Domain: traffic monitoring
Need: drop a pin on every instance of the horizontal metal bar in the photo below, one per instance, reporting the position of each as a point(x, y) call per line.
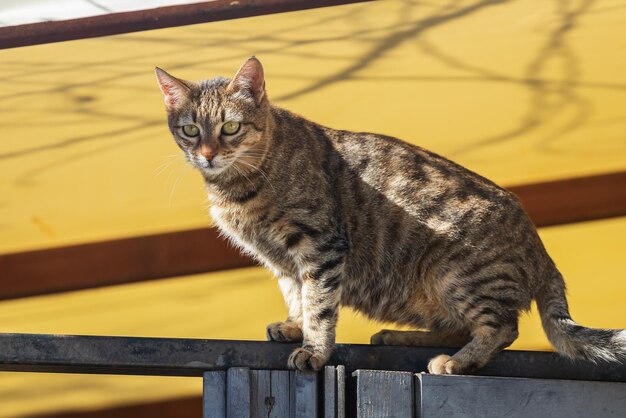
point(114, 262)
point(192, 357)
point(575, 199)
point(158, 18)
point(186, 407)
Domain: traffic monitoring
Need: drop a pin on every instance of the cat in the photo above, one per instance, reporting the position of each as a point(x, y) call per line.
point(392, 230)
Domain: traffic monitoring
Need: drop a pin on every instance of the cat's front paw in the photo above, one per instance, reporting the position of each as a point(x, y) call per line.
point(444, 364)
point(306, 360)
point(284, 332)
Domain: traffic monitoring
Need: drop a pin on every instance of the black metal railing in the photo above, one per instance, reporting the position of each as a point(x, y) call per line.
point(192, 357)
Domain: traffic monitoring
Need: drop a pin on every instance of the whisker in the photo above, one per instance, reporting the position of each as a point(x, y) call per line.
point(260, 171)
point(242, 173)
point(172, 192)
point(161, 168)
point(166, 164)
point(262, 157)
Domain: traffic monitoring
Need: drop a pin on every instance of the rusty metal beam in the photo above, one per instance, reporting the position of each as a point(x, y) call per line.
point(158, 18)
point(202, 250)
point(191, 357)
point(575, 199)
point(187, 407)
point(118, 261)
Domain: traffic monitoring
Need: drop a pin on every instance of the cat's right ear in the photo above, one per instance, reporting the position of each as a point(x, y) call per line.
point(175, 91)
point(249, 80)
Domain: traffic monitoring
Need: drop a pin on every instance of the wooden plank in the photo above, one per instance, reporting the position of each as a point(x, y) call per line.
point(238, 392)
point(161, 17)
point(261, 400)
point(292, 394)
point(384, 394)
point(280, 393)
point(341, 391)
point(529, 395)
point(202, 250)
point(334, 392)
point(330, 392)
point(214, 395)
point(495, 397)
point(304, 395)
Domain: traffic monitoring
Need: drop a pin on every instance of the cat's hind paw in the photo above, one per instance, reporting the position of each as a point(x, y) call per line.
point(284, 332)
point(305, 360)
point(383, 337)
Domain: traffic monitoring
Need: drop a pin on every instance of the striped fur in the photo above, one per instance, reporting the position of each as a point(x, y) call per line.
point(363, 220)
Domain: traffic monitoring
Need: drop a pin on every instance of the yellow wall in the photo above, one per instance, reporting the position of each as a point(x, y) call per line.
point(500, 87)
point(520, 91)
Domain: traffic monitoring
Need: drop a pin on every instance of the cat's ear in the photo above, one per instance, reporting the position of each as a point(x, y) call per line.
point(249, 80)
point(175, 91)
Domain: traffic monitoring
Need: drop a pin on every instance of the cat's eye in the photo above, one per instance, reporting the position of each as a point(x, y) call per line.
point(230, 128)
point(191, 130)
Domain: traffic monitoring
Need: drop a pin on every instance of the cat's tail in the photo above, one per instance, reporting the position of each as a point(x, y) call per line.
point(571, 339)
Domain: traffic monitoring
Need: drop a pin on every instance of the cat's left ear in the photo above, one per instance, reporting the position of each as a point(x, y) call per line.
point(175, 91)
point(250, 80)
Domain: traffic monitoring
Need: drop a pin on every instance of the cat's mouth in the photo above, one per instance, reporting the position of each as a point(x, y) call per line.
point(209, 167)
point(207, 164)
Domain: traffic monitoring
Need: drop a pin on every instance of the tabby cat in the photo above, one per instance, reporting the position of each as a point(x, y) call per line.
point(364, 220)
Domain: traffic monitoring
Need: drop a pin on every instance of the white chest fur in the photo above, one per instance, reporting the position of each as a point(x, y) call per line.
point(258, 239)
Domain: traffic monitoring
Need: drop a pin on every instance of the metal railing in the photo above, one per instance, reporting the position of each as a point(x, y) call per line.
point(147, 19)
point(248, 368)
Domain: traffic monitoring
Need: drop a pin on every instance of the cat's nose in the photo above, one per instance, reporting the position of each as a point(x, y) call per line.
point(208, 151)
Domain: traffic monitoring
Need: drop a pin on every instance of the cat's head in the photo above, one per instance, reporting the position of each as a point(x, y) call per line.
point(218, 123)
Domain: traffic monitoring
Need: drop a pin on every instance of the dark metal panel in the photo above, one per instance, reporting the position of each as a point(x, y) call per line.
point(508, 363)
point(238, 392)
point(214, 395)
point(383, 394)
point(162, 17)
point(495, 397)
point(304, 389)
point(192, 357)
point(280, 393)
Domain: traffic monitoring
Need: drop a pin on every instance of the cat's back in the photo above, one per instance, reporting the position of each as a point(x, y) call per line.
point(420, 181)
point(383, 182)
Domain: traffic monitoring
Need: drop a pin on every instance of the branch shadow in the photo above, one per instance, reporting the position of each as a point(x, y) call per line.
point(550, 98)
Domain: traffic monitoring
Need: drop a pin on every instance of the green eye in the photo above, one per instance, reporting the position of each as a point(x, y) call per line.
point(230, 128)
point(191, 130)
